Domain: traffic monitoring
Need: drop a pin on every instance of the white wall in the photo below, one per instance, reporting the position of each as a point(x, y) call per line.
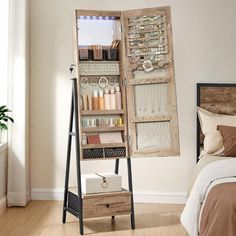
point(204, 47)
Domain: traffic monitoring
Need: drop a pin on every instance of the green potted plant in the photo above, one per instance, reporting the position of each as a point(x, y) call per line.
point(4, 118)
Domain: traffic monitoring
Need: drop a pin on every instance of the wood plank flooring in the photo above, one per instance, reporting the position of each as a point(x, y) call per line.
point(43, 218)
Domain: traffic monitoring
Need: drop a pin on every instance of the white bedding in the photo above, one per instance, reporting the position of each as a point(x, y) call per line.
point(222, 170)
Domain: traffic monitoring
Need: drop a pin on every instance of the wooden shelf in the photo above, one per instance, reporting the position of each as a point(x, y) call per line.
point(161, 80)
point(103, 145)
point(103, 112)
point(103, 158)
point(160, 118)
point(108, 194)
point(97, 62)
point(103, 129)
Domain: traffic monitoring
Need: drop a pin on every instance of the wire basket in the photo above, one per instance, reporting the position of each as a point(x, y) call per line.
point(115, 152)
point(93, 153)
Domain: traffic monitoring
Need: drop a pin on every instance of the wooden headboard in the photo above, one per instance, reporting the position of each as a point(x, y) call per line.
point(216, 98)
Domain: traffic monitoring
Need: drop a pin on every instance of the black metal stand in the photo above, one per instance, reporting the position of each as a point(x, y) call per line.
point(71, 201)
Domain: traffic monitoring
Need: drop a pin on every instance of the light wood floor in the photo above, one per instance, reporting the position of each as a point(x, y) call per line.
point(43, 218)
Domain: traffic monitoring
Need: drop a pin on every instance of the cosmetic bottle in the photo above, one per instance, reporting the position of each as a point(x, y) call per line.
point(89, 102)
point(118, 98)
point(106, 99)
point(85, 103)
point(120, 122)
point(101, 101)
point(95, 100)
point(112, 99)
point(84, 139)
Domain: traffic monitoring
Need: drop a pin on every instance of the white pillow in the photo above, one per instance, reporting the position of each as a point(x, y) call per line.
point(213, 143)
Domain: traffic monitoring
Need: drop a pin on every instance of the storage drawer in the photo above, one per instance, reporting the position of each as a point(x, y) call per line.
point(107, 205)
point(101, 204)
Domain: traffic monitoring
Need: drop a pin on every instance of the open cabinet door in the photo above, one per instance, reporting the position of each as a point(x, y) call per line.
point(151, 96)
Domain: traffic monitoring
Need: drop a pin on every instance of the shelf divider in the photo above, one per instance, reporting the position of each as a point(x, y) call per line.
point(102, 112)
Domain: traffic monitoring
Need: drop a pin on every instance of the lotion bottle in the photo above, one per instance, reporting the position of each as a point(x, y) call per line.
point(118, 98)
point(107, 99)
point(112, 99)
point(85, 102)
point(89, 102)
point(101, 101)
point(95, 100)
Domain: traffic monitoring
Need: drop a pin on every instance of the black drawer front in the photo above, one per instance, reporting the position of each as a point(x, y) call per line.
point(73, 201)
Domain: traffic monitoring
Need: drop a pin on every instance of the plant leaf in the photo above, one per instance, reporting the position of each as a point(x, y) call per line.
point(5, 110)
point(3, 126)
point(10, 118)
point(2, 107)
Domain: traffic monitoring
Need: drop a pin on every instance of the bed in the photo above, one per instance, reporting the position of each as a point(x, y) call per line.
point(211, 206)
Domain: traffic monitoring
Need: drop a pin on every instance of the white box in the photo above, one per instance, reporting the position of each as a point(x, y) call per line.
point(101, 183)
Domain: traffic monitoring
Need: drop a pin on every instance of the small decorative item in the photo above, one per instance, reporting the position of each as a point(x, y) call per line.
point(4, 118)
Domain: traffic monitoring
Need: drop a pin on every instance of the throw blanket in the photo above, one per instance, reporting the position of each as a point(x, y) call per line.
point(218, 213)
point(213, 171)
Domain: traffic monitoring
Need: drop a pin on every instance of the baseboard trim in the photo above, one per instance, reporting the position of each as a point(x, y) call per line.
point(160, 197)
point(139, 197)
point(3, 205)
point(47, 194)
point(3, 147)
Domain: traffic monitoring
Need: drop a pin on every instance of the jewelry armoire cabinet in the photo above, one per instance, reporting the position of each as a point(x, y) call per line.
point(131, 50)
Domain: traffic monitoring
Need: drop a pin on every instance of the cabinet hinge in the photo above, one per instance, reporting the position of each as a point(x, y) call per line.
point(125, 82)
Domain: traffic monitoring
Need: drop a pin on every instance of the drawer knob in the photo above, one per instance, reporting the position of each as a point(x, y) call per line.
point(107, 205)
